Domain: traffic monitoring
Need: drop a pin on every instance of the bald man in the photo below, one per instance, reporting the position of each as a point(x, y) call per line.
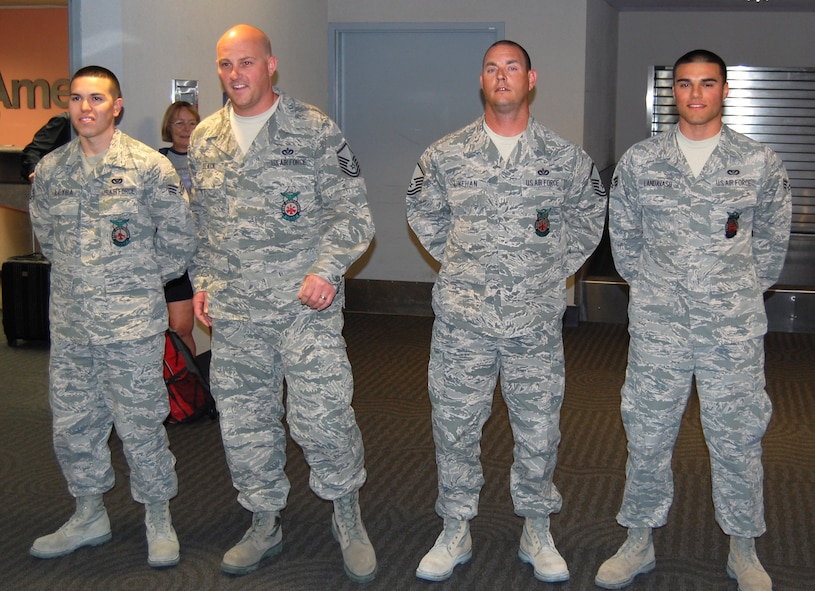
point(281, 212)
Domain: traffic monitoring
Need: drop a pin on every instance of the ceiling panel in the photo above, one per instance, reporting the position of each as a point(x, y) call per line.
point(714, 5)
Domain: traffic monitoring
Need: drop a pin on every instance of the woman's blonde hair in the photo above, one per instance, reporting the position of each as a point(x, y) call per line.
point(171, 113)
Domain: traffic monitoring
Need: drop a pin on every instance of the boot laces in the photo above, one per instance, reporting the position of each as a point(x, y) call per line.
point(84, 510)
point(636, 543)
point(347, 518)
point(453, 532)
point(158, 522)
point(539, 532)
point(261, 530)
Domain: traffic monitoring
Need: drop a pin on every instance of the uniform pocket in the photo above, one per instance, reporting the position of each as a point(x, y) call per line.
point(120, 222)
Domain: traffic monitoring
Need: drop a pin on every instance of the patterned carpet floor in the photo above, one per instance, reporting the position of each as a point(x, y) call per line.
point(389, 355)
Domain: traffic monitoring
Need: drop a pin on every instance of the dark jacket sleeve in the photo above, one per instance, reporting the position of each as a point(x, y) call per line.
point(50, 136)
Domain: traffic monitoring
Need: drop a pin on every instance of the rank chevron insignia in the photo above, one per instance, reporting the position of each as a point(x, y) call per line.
point(348, 162)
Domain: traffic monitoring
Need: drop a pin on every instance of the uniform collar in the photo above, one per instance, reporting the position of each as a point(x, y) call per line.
point(479, 141)
point(116, 156)
point(725, 155)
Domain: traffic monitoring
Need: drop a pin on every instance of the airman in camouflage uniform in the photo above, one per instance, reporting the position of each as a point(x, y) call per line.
point(280, 220)
point(508, 229)
point(110, 215)
point(698, 248)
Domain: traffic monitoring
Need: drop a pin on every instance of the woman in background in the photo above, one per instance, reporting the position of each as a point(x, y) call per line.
point(179, 121)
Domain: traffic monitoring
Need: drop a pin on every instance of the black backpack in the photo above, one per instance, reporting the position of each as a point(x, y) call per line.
point(187, 386)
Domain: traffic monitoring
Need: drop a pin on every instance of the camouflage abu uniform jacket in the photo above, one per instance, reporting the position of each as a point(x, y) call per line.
point(507, 233)
point(698, 253)
point(294, 205)
point(113, 240)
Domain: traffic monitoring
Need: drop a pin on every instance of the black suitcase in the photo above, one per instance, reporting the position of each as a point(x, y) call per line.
point(26, 284)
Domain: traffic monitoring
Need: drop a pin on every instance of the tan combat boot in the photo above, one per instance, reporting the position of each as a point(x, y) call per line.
point(358, 554)
point(162, 542)
point(263, 540)
point(743, 565)
point(635, 556)
point(454, 546)
point(538, 549)
point(88, 526)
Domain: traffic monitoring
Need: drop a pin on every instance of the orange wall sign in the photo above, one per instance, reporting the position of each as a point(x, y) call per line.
point(33, 70)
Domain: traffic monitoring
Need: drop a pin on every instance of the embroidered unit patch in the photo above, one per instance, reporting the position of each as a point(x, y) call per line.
point(542, 223)
point(120, 233)
point(290, 208)
point(731, 227)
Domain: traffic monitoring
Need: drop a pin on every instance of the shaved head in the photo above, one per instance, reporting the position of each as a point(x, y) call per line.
point(248, 33)
point(246, 66)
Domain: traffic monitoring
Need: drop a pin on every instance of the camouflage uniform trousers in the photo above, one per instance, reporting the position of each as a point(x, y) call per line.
point(735, 412)
point(463, 371)
point(96, 387)
point(249, 363)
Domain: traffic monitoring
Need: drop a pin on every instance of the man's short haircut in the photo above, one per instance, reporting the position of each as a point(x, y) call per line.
point(702, 56)
point(100, 72)
point(267, 45)
point(171, 113)
point(511, 44)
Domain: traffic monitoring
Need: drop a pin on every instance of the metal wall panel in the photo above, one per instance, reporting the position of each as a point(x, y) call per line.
point(775, 106)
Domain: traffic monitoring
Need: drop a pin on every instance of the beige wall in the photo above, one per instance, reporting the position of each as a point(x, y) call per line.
point(553, 32)
point(601, 82)
point(659, 38)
